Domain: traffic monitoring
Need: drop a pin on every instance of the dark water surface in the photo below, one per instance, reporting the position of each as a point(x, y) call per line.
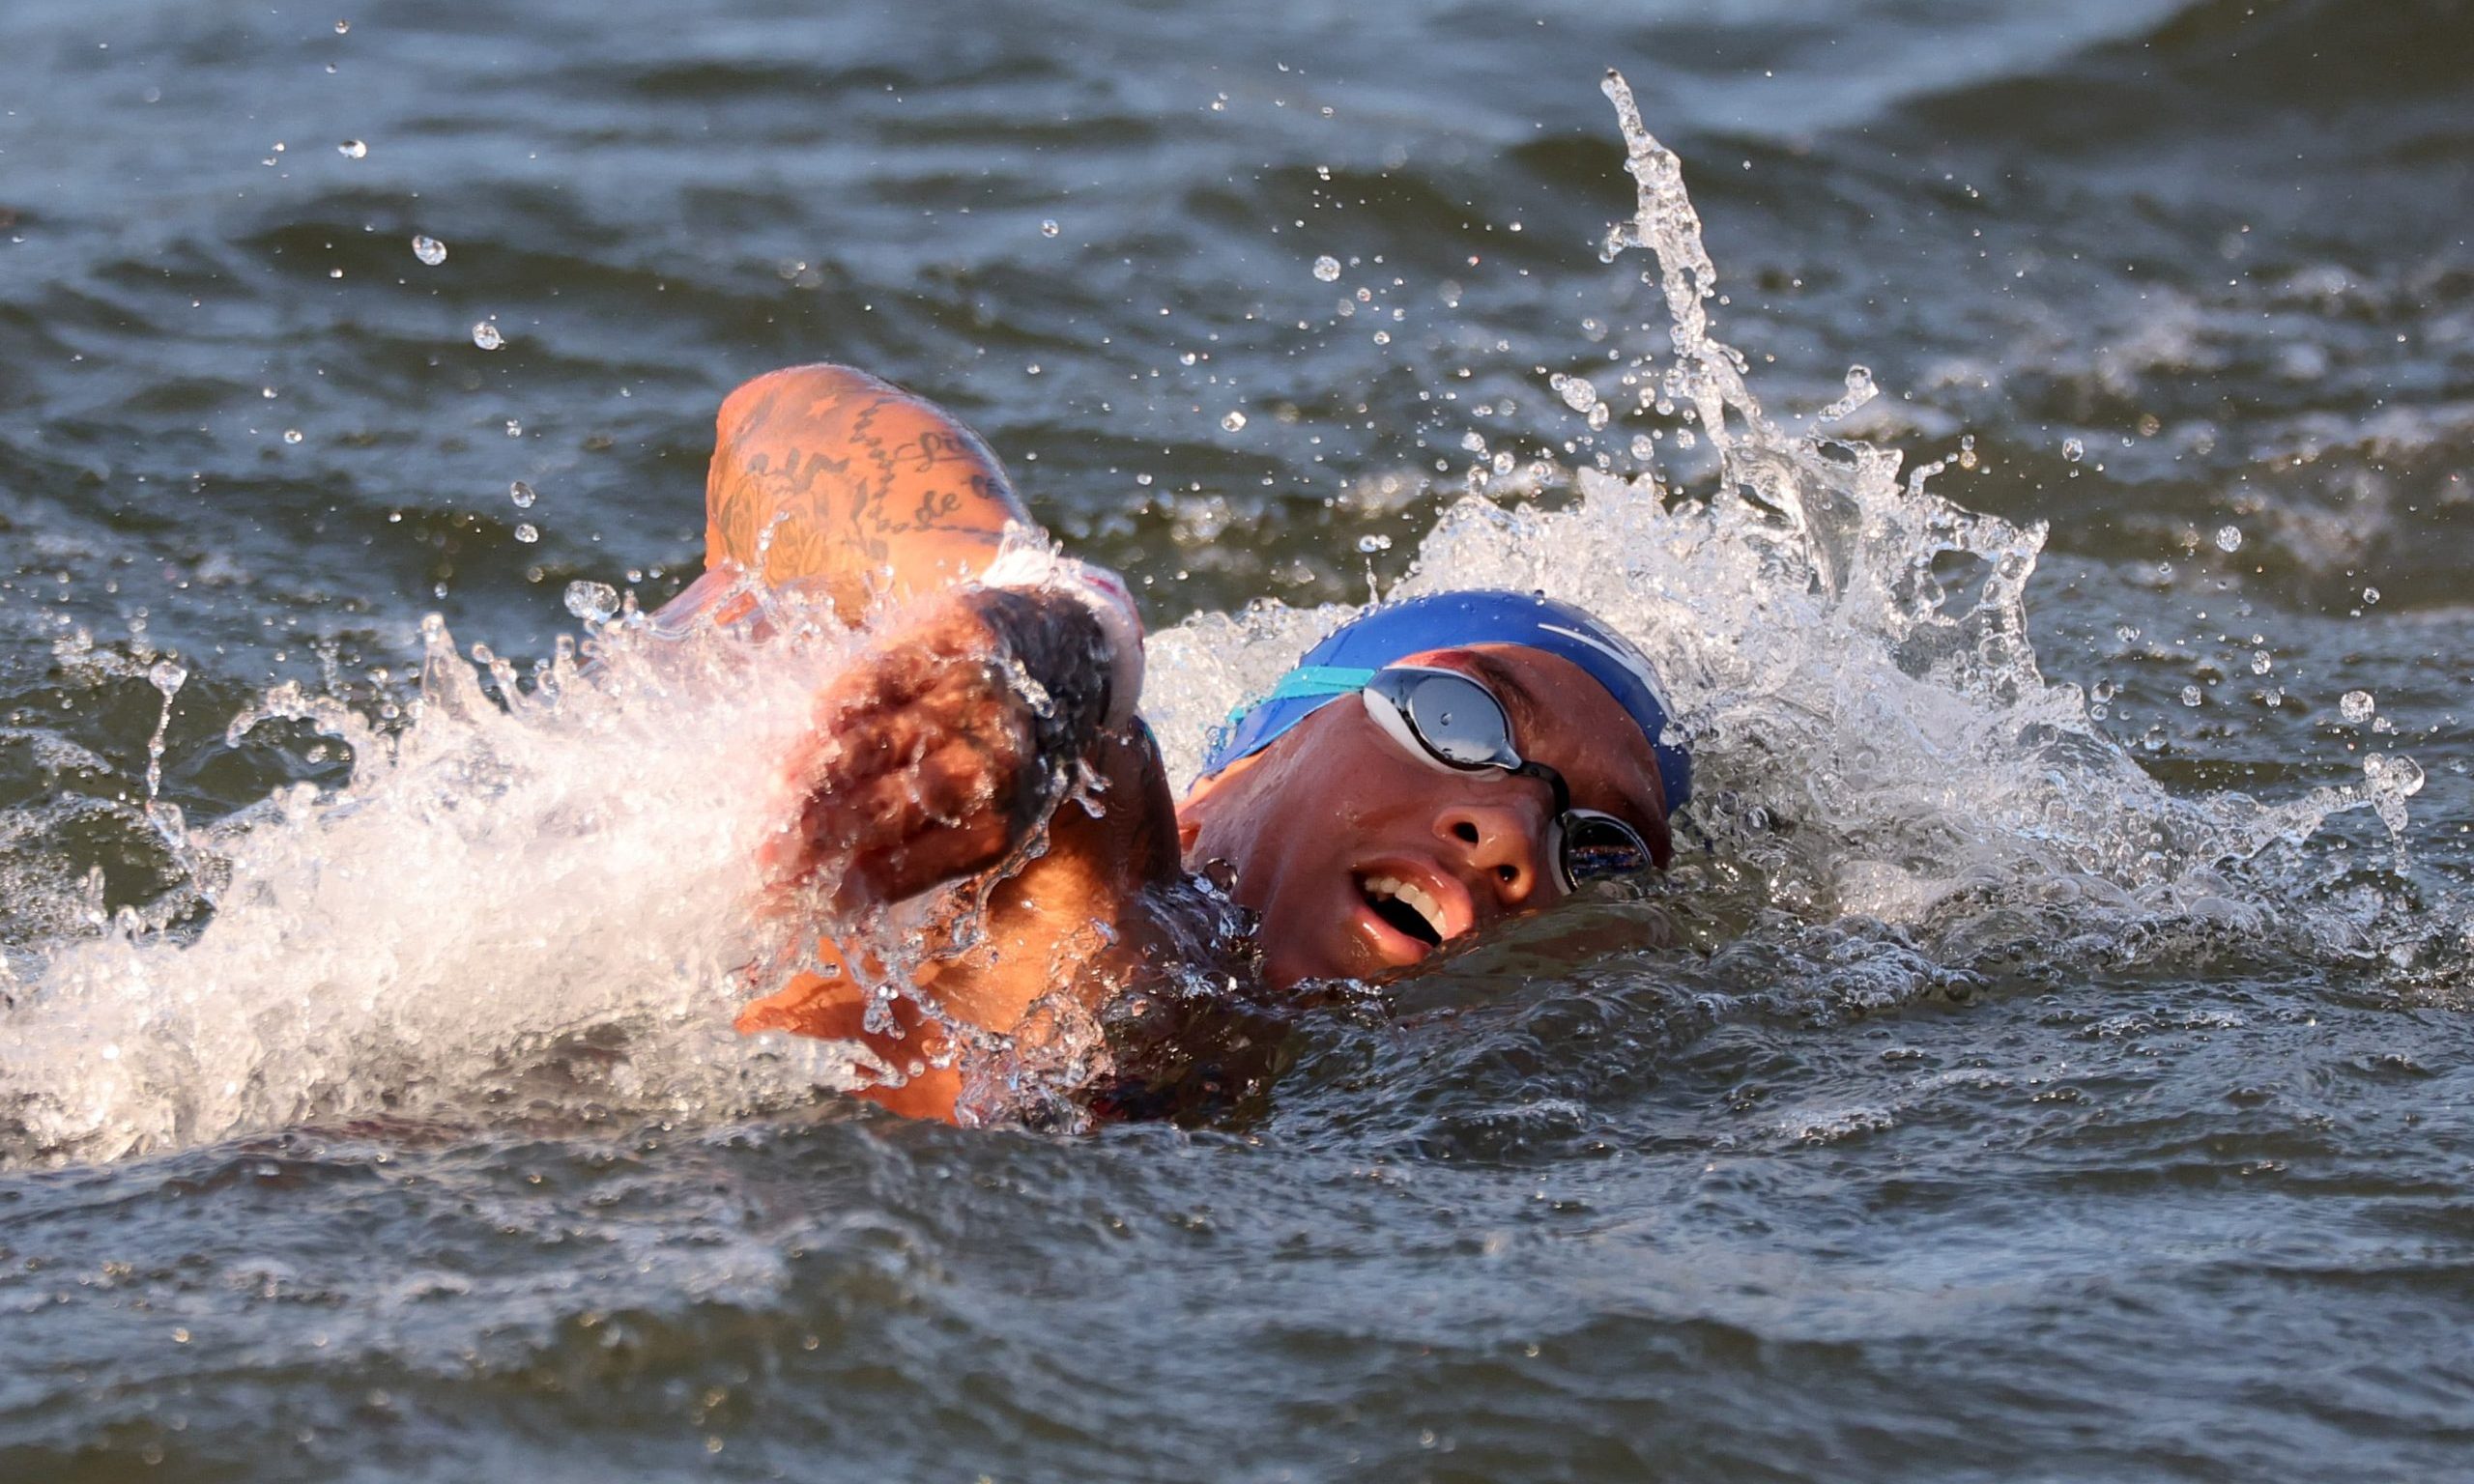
point(2153, 1182)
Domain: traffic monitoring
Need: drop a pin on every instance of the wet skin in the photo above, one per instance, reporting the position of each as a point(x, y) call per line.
point(1475, 844)
point(926, 766)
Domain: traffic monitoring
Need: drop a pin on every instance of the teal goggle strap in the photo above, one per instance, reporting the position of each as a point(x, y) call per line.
point(1307, 682)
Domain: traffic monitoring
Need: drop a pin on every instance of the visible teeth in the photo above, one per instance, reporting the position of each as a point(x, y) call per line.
point(1419, 899)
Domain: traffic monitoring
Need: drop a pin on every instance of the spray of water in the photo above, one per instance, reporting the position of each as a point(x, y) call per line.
point(1848, 651)
point(540, 894)
point(536, 896)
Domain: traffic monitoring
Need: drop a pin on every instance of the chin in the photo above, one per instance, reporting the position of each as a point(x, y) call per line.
point(1293, 956)
point(1286, 969)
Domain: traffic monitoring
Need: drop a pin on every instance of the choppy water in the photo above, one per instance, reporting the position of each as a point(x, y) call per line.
point(2055, 1067)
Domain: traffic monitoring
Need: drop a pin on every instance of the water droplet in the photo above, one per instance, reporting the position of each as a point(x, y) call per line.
point(2370, 595)
point(1234, 421)
point(2228, 538)
point(1048, 227)
point(514, 428)
point(2103, 692)
point(1370, 545)
point(1143, 479)
point(2191, 696)
point(1859, 391)
point(521, 494)
point(2357, 706)
point(2261, 663)
point(343, 27)
point(486, 336)
point(1578, 392)
point(429, 250)
point(2073, 450)
point(351, 149)
point(1643, 448)
point(1967, 450)
point(526, 534)
point(292, 435)
point(1383, 337)
point(2394, 774)
point(1327, 267)
point(592, 602)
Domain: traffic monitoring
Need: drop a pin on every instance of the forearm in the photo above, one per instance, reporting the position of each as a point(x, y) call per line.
point(932, 756)
point(1096, 915)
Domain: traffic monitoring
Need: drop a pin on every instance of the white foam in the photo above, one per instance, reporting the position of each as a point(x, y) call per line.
point(1830, 670)
point(494, 885)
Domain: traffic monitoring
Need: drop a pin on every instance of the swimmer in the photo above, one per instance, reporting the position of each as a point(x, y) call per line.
point(1431, 769)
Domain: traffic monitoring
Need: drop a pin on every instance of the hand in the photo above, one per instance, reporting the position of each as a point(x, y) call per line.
point(933, 754)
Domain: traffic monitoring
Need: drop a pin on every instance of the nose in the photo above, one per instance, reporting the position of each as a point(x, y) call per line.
point(1500, 846)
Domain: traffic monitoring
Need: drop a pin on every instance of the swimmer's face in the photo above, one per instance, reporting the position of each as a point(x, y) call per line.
point(1363, 859)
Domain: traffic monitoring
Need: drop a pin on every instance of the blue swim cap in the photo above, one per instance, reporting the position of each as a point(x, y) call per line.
point(1344, 662)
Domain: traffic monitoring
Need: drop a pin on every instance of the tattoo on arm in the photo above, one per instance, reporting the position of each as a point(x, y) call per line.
point(822, 481)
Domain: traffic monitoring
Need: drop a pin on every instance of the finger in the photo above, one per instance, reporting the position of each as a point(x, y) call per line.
point(959, 812)
point(961, 784)
point(926, 860)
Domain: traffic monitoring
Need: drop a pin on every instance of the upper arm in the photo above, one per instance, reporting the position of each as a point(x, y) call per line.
point(826, 475)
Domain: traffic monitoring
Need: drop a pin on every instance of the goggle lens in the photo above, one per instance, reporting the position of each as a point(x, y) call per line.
point(1600, 847)
point(1458, 719)
point(1459, 723)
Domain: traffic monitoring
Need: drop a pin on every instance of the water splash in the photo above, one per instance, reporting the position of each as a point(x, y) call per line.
point(1849, 655)
point(526, 893)
point(166, 676)
point(536, 895)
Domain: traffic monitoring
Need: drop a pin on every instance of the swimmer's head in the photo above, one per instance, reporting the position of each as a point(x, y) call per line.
point(1373, 811)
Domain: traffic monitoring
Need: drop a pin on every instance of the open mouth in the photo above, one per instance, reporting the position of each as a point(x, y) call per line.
point(1407, 908)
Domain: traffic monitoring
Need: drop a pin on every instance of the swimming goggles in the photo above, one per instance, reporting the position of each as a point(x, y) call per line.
point(1455, 723)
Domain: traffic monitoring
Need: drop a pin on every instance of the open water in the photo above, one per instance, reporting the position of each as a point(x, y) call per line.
point(2053, 1065)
